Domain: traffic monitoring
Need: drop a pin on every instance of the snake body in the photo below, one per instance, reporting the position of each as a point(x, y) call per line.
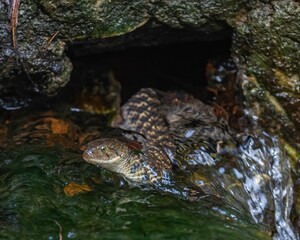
point(159, 123)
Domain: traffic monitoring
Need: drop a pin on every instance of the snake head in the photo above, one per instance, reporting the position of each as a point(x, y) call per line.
point(108, 153)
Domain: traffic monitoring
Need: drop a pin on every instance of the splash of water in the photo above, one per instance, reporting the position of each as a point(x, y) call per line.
point(253, 177)
point(268, 183)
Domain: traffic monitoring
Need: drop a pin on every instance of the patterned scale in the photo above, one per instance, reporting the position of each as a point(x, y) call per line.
point(142, 114)
point(175, 122)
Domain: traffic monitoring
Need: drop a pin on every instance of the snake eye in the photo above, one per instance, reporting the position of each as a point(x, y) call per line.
point(103, 148)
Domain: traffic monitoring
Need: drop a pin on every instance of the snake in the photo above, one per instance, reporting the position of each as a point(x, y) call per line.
point(157, 126)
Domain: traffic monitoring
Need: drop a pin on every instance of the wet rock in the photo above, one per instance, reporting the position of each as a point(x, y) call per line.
point(44, 27)
point(267, 49)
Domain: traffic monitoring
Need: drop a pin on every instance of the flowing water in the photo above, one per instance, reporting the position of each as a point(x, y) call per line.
point(254, 178)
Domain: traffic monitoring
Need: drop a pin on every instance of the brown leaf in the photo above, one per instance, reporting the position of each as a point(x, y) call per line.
point(74, 188)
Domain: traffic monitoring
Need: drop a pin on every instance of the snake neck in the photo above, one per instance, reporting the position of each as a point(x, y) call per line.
point(132, 167)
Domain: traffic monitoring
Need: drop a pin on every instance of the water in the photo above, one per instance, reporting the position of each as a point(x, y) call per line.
point(264, 173)
point(253, 176)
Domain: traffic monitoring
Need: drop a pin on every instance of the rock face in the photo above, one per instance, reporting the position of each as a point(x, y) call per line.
point(44, 28)
point(265, 42)
point(266, 46)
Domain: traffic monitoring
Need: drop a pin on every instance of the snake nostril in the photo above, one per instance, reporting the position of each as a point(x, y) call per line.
point(88, 153)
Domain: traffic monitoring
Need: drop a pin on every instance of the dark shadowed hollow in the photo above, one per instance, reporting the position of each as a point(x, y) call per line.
point(166, 67)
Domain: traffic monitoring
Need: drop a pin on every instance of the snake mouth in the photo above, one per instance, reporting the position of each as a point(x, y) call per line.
point(90, 155)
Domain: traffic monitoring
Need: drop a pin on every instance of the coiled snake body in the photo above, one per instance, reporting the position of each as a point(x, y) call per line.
point(159, 124)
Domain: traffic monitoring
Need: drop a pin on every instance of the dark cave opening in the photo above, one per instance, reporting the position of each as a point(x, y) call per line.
point(171, 66)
